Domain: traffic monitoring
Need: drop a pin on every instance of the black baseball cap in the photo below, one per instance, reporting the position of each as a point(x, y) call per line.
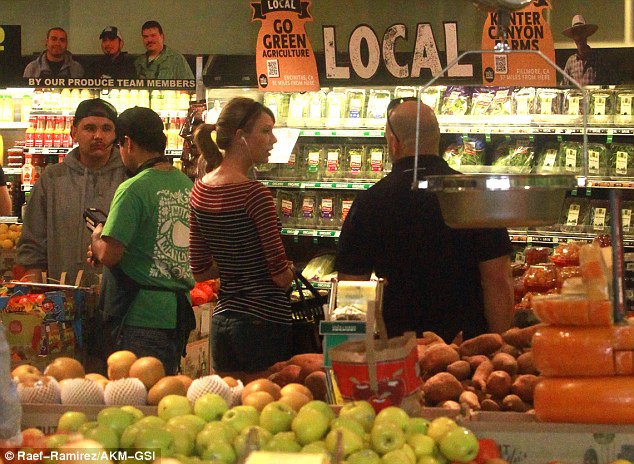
point(110, 32)
point(95, 107)
point(139, 123)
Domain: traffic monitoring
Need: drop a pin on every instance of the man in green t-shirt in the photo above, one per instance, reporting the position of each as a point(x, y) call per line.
point(144, 245)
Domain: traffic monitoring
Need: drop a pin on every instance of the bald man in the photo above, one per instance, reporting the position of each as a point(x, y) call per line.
point(439, 279)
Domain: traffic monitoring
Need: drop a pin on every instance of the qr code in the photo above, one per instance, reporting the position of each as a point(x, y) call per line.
point(501, 64)
point(273, 68)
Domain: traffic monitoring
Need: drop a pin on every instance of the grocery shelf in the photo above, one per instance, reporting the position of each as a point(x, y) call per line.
point(46, 150)
point(298, 232)
point(343, 185)
point(14, 125)
point(325, 132)
point(552, 237)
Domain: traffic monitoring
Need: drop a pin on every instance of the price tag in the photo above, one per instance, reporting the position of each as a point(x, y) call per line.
point(593, 161)
point(571, 159)
point(599, 106)
point(626, 105)
point(599, 218)
point(573, 215)
point(626, 217)
point(621, 163)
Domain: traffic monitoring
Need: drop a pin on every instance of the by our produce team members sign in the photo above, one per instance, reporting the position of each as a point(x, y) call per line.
point(284, 57)
point(528, 30)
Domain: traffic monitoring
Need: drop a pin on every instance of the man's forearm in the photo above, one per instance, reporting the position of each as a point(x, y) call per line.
point(497, 292)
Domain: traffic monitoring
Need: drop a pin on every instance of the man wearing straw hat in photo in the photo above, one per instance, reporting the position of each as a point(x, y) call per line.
point(585, 66)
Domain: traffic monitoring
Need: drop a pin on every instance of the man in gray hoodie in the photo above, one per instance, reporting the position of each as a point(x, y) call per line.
point(56, 60)
point(54, 235)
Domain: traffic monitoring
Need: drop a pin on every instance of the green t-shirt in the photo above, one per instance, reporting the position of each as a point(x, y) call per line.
point(149, 215)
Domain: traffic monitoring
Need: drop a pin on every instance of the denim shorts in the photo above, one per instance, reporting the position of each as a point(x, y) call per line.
point(160, 343)
point(240, 342)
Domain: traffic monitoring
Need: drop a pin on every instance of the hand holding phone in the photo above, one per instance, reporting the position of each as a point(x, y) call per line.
point(94, 217)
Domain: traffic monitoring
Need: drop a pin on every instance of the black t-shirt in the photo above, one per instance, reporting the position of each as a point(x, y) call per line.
point(433, 280)
point(55, 66)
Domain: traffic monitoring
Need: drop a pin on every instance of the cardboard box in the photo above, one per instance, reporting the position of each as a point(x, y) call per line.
point(46, 416)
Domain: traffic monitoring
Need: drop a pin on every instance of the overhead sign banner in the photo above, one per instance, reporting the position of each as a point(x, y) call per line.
point(10, 53)
point(528, 30)
point(285, 61)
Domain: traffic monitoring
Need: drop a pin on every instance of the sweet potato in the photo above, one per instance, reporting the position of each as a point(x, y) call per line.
point(475, 361)
point(482, 344)
point(316, 383)
point(514, 403)
point(524, 386)
point(436, 358)
point(441, 387)
point(290, 374)
point(499, 384)
point(520, 338)
point(482, 373)
point(526, 364)
point(278, 366)
point(460, 369)
point(510, 349)
point(504, 362)
point(309, 362)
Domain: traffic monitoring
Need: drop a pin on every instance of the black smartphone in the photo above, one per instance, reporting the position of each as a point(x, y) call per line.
point(94, 217)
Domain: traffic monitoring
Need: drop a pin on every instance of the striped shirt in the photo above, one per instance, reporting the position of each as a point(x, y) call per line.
point(236, 225)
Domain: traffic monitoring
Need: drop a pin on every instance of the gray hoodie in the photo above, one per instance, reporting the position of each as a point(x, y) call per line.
point(54, 234)
point(39, 67)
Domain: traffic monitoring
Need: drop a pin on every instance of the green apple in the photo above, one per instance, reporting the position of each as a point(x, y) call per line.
point(439, 426)
point(351, 424)
point(83, 428)
point(310, 425)
point(136, 412)
point(315, 447)
point(386, 436)
point(70, 421)
point(220, 450)
point(459, 444)
point(210, 407)
point(409, 451)
point(151, 422)
point(364, 456)
point(222, 429)
point(189, 424)
point(350, 441)
point(173, 405)
point(155, 438)
point(322, 407)
point(394, 415)
point(183, 443)
point(105, 435)
point(56, 440)
point(129, 435)
point(277, 417)
point(115, 418)
point(428, 460)
point(423, 445)
point(259, 437)
point(397, 456)
point(283, 442)
point(417, 425)
point(360, 411)
point(241, 417)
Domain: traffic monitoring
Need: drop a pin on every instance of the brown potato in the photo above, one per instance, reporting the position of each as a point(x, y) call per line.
point(441, 387)
point(482, 344)
point(499, 384)
point(469, 400)
point(524, 386)
point(504, 362)
point(436, 358)
point(526, 364)
point(460, 369)
point(490, 405)
point(514, 403)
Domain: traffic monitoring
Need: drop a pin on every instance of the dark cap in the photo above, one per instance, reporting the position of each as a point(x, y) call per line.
point(110, 32)
point(95, 107)
point(139, 123)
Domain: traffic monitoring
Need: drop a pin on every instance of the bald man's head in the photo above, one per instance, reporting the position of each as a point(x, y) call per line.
point(401, 132)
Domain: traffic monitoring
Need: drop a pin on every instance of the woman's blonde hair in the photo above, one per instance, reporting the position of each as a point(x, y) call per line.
point(238, 113)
